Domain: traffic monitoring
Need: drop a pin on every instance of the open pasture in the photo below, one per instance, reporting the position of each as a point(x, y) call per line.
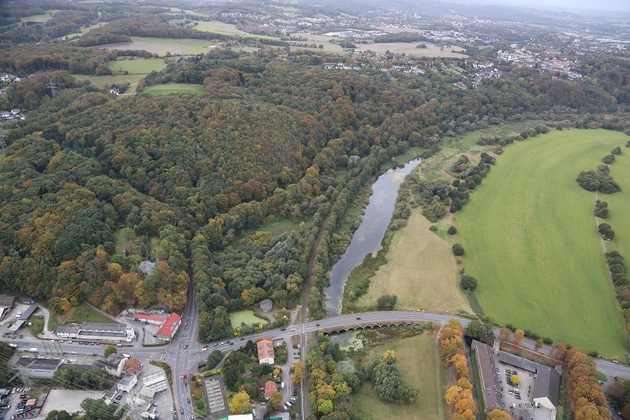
point(140, 66)
point(531, 240)
point(419, 367)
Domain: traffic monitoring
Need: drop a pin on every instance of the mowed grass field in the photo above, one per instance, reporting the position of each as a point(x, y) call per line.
point(168, 88)
point(420, 261)
point(531, 240)
point(144, 66)
point(418, 365)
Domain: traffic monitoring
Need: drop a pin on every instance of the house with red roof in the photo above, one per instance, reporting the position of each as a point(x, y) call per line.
point(133, 366)
point(266, 354)
point(169, 327)
point(270, 389)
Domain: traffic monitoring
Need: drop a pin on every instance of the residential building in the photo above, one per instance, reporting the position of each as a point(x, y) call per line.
point(133, 366)
point(169, 327)
point(126, 383)
point(114, 364)
point(265, 352)
point(270, 388)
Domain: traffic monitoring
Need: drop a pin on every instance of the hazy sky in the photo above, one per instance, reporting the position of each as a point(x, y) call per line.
point(620, 5)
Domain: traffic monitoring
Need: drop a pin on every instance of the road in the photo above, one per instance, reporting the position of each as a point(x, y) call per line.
point(184, 353)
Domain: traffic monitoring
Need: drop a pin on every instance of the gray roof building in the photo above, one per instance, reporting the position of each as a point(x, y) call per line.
point(28, 312)
point(6, 300)
point(547, 383)
point(488, 376)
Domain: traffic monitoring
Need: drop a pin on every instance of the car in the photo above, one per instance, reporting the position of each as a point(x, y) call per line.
point(215, 344)
point(186, 346)
point(295, 392)
point(181, 410)
point(292, 399)
point(358, 318)
point(293, 329)
point(242, 338)
point(189, 400)
point(283, 329)
point(222, 342)
point(204, 348)
point(317, 325)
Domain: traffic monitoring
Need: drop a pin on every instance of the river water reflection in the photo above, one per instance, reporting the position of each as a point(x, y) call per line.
point(367, 238)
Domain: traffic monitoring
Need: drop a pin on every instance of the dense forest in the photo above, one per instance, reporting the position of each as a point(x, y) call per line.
point(93, 184)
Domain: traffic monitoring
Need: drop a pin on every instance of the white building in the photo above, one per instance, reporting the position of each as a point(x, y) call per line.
point(96, 331)
point(127, 383)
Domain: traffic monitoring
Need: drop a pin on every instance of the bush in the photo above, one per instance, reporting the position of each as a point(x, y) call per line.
point(608, 159)
point(468, 283)
point(616, 151)
point(597, 181)
point(628, 143)
point(387, 302)
point(458, 250)
point(452, 230)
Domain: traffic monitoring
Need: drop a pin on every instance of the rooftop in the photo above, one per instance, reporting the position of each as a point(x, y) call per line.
point(487, 373)
point(170, 325)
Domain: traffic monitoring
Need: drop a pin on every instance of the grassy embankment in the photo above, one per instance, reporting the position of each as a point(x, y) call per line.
point(531, 240)
point(422, 262)
point(79, 313)
point(419, 367)
point(246, 316)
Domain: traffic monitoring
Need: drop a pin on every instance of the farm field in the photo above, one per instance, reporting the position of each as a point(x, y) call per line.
point(531, 241)
point(421, 261)
point(427, 375)
point(39, 18)
point(219, 28)
point(175, 46)
point(143, 67)
point(168, 88)
point(245, 316)
point(409, 48)
point(107, 81)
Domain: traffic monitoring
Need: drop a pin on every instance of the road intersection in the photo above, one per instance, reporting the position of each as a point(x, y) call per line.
point(184, 353)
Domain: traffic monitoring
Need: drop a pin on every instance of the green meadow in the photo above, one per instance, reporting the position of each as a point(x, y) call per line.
point(107, 81)
point(168, 88)
point(531, 240)
point(137, 66)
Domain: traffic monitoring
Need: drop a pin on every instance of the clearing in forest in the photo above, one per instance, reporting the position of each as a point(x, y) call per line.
point(168, 88)
point(531, 240)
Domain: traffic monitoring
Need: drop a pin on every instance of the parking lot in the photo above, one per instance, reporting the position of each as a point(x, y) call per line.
point(515, 394)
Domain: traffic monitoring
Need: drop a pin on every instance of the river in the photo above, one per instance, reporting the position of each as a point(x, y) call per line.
point(367, 238)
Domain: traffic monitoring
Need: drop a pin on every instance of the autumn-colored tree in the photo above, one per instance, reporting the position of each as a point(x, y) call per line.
point(515, 379)
point(275, 402)
point(299, 372)
point(518, 336)
point(504, 334)
point(559, 350)
point(588, 400)
point(497, 414)
point(239, 403)
point(539, 343)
